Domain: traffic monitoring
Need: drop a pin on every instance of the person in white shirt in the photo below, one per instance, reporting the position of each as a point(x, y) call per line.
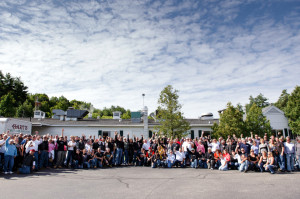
point(146, 145)
point(289, 149)
point(71, 145)
point(214, 145)
point(180, 158)
point(170, 159)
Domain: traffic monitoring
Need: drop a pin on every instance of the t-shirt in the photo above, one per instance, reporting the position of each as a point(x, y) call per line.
point(289, 148)
point(71, 145)
point(99, 155)
point(61, 145)
point(279, 146)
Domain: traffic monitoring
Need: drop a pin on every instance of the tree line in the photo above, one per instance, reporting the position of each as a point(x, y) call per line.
point(232, 119)
point(15, 101)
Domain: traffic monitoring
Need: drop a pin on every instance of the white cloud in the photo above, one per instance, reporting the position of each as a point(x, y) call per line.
point(111, 52)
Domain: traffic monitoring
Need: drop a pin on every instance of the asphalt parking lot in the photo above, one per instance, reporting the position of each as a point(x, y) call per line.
point(144, 182)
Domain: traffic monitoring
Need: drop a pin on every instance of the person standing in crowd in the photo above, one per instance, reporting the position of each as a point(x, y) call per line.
point(120, 147)
point(28, 163)
point(44, 147)
point(9, 155)
point(70, 152)
point(290, 154)
point(279, 154)
point(61, 144)
point(255, 148)
point(180, 158)
point(263, 146)
point(297, 148)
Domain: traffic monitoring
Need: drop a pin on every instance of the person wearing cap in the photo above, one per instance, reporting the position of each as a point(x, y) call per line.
point(9, 155)
point(28, 163)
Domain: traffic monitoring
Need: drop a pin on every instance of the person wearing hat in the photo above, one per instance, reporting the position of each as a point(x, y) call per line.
point(9, 155)
point(28, 163)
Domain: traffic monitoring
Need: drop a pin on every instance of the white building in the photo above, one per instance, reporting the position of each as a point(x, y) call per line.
point(278, 121)
point(107, 127)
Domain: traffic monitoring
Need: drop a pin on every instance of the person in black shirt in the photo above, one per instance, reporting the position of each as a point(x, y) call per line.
point(28, 163)
point(88, 159)
point(61, 144)
point(120, 149)
point(99, 158)
point(233, 163)
point(194, 158)
point(108, 157)
point(210, 160)
point(77, 160)
point(43, 147)
point(155, 162)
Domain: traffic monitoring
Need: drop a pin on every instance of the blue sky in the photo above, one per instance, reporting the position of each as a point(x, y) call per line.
point(110, 52)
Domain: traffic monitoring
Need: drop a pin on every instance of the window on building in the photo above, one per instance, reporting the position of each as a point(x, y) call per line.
point(192, 134)
point(150, 134)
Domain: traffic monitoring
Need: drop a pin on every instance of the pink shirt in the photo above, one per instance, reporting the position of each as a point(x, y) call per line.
point(200, 147)
point(51, 147)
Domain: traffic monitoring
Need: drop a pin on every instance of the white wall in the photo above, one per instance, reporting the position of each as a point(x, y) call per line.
point(277, 121)
point(93, 130)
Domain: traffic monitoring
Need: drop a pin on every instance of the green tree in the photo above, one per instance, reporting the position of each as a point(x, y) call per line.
point(231, 122)
point(14, 86)
point(172, 123)
point(292, 110)
point(256, 122)
point(260, 100)
point(126, 115)
point(63, 104)
point(7, 108)
point(25, 110)
point(283, 99)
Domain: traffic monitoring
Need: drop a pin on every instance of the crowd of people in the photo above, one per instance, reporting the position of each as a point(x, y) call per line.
point(29, 153)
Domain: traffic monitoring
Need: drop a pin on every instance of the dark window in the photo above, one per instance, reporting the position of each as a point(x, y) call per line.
point(192, 134)
point(150, 134)
point(199, 133)
point(121, 133)
point(99, 133)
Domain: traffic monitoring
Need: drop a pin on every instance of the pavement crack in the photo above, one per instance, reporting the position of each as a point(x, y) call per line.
point(121, 181)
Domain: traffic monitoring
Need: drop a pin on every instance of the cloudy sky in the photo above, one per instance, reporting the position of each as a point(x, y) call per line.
point(110, 52)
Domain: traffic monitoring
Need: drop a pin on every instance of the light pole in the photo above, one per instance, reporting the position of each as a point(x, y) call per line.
point(143, 98)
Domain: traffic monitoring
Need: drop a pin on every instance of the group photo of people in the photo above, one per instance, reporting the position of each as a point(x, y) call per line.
point(25, 154)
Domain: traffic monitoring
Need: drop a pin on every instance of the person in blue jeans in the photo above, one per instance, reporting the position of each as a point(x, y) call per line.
point(155, 160)
point(28, 163)
point(270, 163)
point(170, 159)
point(99, 158)
point(290, 154)
point(9, 155)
